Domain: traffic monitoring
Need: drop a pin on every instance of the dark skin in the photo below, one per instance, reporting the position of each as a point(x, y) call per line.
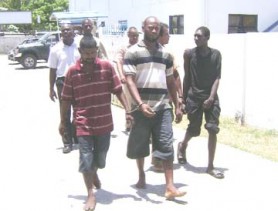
point(202, 44)
point(151, 28)
point(91, 180)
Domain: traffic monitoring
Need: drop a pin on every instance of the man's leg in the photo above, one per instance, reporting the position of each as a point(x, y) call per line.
point(91, 200)
point(67, 137)
point(142, 180)
point(171, 191)
point(212, 139)
point(181, 151)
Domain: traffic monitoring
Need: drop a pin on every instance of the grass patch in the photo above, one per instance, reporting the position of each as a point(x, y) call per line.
point(260, 142)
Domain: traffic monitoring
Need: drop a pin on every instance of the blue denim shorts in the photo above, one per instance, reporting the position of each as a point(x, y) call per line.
point(159, 127)
point(92, 152)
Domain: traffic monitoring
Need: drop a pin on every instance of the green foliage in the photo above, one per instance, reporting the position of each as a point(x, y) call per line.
point(41, 8)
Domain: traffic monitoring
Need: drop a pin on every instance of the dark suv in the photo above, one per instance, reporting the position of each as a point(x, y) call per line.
point(28, 54)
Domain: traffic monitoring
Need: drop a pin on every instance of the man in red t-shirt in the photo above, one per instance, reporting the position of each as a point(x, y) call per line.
point(88, 86)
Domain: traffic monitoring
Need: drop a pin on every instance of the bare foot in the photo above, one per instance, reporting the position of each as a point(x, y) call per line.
point(141, 184)
point(90, 203)
point(171, 193)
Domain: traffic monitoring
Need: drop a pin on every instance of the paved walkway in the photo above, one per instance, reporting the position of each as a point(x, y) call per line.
point(35, 175)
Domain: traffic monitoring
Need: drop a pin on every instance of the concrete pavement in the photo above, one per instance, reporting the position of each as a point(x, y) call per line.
point(35, 175)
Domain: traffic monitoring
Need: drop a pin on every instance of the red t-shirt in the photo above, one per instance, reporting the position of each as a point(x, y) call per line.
point(90, 94)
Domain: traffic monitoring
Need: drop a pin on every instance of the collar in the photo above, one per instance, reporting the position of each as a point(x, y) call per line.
point(79, 64)
point(143, 44)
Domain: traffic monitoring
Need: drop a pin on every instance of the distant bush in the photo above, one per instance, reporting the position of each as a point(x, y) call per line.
point(12, 28)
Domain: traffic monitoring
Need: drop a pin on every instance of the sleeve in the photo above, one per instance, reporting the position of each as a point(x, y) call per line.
point(169, 65)
point(116, 83)
point(129, 63)
point(52, 59)
point(119, 56)
point(67, 92)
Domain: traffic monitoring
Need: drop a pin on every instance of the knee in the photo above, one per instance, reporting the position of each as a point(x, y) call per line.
point(212, 128)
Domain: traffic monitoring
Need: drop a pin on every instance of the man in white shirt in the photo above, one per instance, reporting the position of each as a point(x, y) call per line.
point(61, 57)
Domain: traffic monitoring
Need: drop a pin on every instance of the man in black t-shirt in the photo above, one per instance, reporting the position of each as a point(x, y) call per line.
point(202, 66)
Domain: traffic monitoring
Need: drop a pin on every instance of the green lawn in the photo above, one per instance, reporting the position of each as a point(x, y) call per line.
point(261, 142)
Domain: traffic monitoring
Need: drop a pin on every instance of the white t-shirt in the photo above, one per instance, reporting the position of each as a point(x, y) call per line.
point(101, 49)
point(62, 56)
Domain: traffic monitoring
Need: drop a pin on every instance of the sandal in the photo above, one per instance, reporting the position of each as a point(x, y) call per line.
point(216, 174)
point(181, 155)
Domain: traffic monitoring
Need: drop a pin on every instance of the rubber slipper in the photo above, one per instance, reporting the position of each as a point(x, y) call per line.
point(215, 173)
point(181, 156)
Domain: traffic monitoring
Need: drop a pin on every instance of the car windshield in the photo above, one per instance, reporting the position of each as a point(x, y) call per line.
point(46, 35)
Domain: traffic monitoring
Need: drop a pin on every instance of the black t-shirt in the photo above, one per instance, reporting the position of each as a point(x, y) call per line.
point(203, 72)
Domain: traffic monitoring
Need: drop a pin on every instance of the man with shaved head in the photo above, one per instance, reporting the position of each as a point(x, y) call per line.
point(88, 26)
point(149, 76)
point(61, 57)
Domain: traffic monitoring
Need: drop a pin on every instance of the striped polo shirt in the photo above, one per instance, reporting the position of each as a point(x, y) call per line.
point(150, 70)
point(90, 94)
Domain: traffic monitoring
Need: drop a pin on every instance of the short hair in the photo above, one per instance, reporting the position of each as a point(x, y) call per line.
point(162, 27)
point(132, 28)
point(205, 31)
point(88, 42)
point(148, 18)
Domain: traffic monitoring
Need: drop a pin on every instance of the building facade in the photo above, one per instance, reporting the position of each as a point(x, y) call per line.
point(184, 16)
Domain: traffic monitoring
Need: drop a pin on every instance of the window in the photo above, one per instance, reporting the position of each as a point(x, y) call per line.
point(122, 25)
point(242, 23)
point(176, 25)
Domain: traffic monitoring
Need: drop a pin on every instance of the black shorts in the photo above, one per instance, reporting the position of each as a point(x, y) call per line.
point(195, 111)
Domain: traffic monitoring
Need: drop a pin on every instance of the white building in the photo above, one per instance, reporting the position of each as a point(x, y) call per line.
point(184, 16)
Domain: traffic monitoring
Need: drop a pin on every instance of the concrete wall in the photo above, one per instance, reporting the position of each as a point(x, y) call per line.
point(248, 85)
point(9, 42)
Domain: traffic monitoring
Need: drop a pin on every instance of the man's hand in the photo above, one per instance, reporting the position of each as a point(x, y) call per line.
point(208, 103)
point(147, 110)
point(123, 80)
point(52, 95)
point(178, 115)
point(183, 109)
point(129, 118)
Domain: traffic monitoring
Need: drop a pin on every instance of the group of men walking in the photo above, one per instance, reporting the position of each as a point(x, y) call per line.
point(149, 88)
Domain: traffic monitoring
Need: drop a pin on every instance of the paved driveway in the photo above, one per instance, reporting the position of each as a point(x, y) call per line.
point(35, 175)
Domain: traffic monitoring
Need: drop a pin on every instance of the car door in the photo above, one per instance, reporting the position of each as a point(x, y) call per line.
point(50, 41)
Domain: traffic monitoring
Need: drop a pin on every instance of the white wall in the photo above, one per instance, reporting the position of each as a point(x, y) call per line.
point(218, 11)
point(212, 13)
point(249, 73)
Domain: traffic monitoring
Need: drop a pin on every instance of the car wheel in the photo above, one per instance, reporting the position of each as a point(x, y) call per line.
point(29, 61)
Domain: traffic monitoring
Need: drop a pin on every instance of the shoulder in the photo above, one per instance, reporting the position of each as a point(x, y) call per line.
point(57, 46)
point(189, 52)
point(215, 52)
point(104, 63)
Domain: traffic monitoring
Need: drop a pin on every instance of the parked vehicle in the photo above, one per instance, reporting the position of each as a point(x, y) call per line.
point(27, 54)
point(11, 53)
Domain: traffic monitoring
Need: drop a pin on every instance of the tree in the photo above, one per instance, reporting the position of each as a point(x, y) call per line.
point(41, 8)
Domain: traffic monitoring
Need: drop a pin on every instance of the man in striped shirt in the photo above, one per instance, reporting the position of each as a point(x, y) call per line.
point(149, 75)
point(88, 86)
